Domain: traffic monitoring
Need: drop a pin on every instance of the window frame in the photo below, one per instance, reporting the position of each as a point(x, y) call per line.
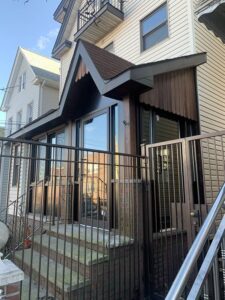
point(22, 82)
point(142, 36)
point(19, 119)
point(10, 125)
point(31, 104)
point(24, 77)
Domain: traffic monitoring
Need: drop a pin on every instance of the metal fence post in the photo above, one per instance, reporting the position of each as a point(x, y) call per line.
point(188, 189)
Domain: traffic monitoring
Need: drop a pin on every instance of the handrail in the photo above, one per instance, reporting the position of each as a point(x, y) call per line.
point(11, 203)
point(196, 248)
point(208, 261)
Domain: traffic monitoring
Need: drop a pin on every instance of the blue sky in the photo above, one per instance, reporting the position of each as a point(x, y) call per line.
point(29, 25)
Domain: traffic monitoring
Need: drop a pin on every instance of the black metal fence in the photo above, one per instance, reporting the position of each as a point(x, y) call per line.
point(183, 177)
point(75, 220)
point(92, 7)
point(87, 224)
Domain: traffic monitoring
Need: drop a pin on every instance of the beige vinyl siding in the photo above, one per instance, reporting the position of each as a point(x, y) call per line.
point(127, 40)
point(210, 78)
point(126, 37)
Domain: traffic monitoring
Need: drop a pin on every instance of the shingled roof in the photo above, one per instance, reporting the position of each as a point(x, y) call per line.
point(108, 64)
point(113, 76)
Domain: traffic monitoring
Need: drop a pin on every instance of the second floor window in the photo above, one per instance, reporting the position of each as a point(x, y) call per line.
point(22, 82)
point(19, 120)
point(30, 112)
point(154, 28)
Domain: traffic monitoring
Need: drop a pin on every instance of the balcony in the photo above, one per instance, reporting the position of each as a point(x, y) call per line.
point(97, 18)
point(212, 14)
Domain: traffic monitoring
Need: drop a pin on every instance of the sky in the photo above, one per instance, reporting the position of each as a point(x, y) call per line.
point(29, 25)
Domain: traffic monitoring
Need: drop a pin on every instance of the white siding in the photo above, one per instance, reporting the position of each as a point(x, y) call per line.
point(20, 100)
point(49, 99)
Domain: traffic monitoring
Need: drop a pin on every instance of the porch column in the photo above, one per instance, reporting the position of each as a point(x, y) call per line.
point(129, 122)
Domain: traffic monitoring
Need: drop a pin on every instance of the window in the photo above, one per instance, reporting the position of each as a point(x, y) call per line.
point(41, 154)
point(19, 120)
point(22, 82)
point(10, 120)
point(96, 132)
point(16, 166)
point(29, 112)
point(154, 28)
point(55, 164)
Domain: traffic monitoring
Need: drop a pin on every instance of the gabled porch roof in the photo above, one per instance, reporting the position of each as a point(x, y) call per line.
point(113, 76)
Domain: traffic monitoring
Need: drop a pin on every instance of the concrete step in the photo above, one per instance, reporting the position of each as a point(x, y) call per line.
point(83, 259)
point(30, 289)
point(93, 238)
point(72, 282)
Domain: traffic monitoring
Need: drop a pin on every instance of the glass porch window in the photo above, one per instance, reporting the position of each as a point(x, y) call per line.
point(94, 168)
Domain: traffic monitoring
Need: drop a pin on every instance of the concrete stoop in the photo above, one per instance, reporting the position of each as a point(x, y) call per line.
point(82, 263)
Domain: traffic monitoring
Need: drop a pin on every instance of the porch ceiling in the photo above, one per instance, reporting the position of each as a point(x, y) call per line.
point(212, 14)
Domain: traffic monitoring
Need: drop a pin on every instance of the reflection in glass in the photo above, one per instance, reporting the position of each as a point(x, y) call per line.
point(41, 162)
point(95, 133)
point(94, 169)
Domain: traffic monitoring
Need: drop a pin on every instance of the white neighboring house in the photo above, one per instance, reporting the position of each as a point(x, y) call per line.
point(33, 89)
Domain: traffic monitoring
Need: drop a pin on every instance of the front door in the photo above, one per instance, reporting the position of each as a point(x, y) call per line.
point(94, 171)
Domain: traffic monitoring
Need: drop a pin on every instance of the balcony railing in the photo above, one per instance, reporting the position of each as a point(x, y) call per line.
point(90, 9)
point(98, 17)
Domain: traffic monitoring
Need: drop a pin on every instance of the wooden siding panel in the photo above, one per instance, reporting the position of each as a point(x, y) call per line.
point(175, 93)
point(81, 71)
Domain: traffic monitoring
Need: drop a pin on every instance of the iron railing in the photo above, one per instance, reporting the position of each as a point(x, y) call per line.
point(75, 219)
point(92, 7)
point(95, 224)
point(183, 178)
point(197, 250)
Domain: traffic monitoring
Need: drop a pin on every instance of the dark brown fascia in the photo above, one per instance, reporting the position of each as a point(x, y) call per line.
point(61, 9)
point(61, 49)
point(63, 26)
point(134, 74)
point(149, 70)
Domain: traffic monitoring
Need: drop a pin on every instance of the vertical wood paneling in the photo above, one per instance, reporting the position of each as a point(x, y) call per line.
point(174, 92)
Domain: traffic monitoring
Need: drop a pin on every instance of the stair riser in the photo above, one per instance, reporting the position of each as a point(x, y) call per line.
point(114, 283)
point(83, 270)
point(81, 242)
point(114, 251)
point(52, 290)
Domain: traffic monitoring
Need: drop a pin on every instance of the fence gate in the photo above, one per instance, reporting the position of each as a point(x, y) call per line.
point(175, 198)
